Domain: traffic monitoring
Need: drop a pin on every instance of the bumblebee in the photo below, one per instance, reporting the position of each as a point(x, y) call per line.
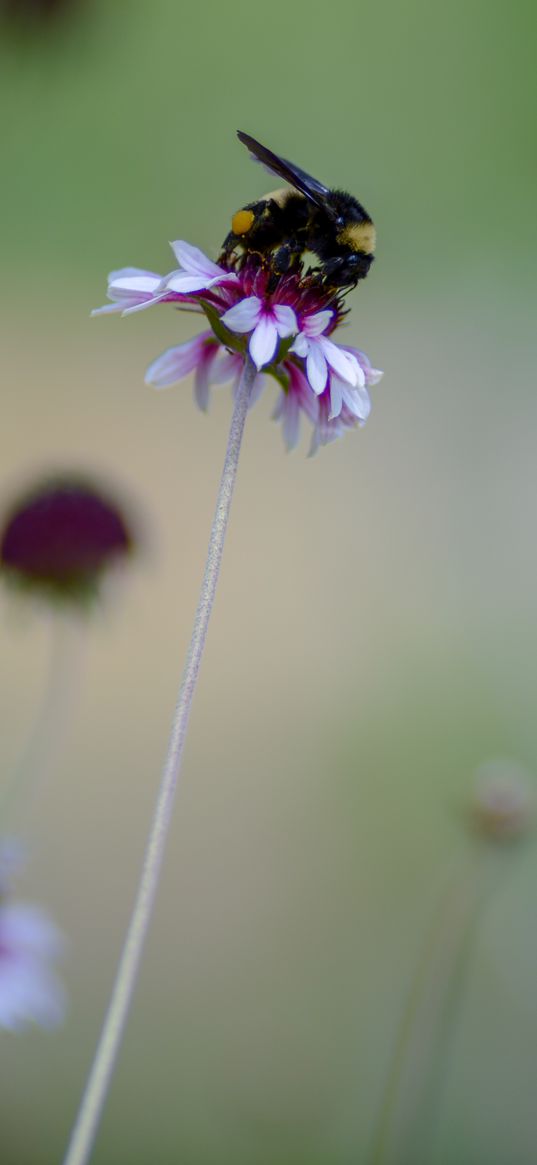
point(304, 216)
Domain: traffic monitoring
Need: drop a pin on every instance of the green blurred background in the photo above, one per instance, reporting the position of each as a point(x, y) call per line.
point(375, 632)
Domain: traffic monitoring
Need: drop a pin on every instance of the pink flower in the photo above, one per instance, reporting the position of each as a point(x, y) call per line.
point(244, 297)
point(321, 354)
point(268, 322)
point(29, 989)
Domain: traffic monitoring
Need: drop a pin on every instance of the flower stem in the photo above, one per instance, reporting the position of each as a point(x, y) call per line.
point(98, 1083)
point(435, 985)
point(53, 720)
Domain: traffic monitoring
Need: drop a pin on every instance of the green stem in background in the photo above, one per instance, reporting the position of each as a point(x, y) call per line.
point(435, 993)
point(51, 727)
point(89, 1114)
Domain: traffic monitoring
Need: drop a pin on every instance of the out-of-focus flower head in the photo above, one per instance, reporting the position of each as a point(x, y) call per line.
point(60, 537)
point(30, 946)
point(285, 323)
point(503, 800)
point(27, 14)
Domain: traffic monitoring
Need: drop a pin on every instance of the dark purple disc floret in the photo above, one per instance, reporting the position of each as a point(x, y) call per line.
point(60, 537)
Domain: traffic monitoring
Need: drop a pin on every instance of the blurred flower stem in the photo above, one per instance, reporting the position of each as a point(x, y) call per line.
point(432, 1006)
point(500, 812)
point(95, 1093)
point(53, 719)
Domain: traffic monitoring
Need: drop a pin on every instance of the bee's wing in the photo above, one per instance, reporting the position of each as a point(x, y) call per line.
point(308, 186)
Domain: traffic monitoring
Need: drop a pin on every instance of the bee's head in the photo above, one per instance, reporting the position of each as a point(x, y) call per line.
point(347, 270)
point(359, 237)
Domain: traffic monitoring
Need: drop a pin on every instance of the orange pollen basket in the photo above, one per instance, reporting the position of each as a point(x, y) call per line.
point(242, 221)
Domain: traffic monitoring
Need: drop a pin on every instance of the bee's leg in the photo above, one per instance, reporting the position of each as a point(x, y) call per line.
point(284, 261)
point(287, 257)
point(231, 241)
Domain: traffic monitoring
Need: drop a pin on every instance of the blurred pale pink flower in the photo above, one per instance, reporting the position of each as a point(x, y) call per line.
point(503, 801)
point(30, 945)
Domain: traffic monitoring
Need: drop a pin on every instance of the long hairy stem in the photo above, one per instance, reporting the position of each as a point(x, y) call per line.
point(100, 1076)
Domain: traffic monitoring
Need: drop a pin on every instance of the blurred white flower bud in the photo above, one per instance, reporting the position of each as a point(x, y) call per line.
point(503, 800)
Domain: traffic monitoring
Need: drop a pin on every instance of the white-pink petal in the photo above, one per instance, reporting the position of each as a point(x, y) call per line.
point(263, 342)
point(176, 362)
point(288, 412)
point(344, 363)
point(300, 345)
point(336, 397)
point(371, 375)
point(315, 324)
point(202, 380)
point(226, 366)
point(357, 401)
point(256, 390)
point(129, 311)
point(127, 272)
point(215, 367)
point(320, 352)
point(184, 284)
point(284, 319)
point(244, 315)
point(316, 368)
point(134, 284)
point(132, 289)
point(193, 260)
point(107, 309)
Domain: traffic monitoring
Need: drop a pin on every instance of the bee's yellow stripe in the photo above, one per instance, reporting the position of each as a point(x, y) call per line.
point(359, 236)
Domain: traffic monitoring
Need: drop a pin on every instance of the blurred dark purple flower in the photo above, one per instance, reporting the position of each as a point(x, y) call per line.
point(60, 537)
point(26, 13)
